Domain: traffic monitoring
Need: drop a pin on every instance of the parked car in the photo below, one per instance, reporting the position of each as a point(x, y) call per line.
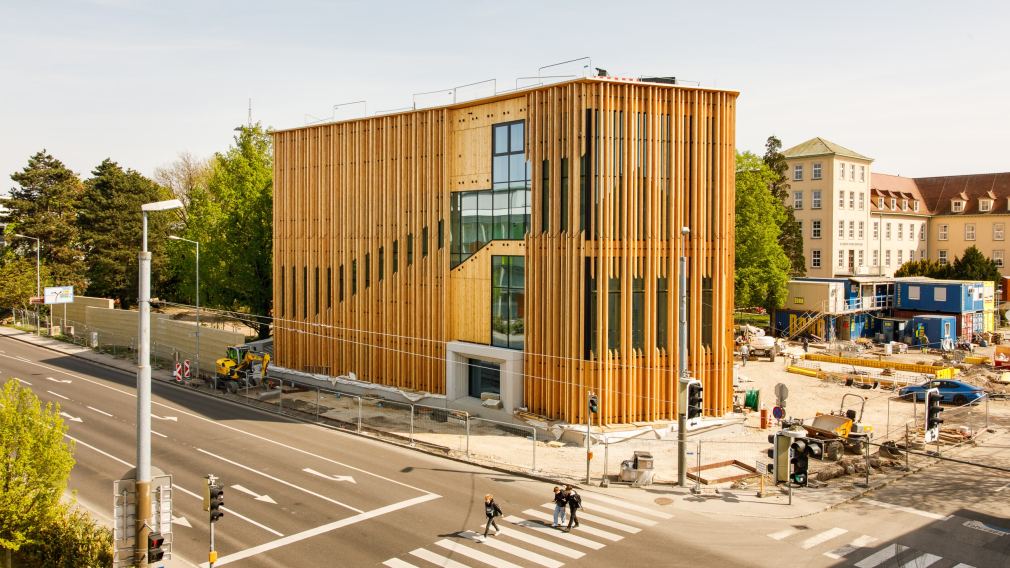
point(951, 392)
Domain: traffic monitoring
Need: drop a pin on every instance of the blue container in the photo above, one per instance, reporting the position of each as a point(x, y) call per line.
point(931, 330)
point(939, 296)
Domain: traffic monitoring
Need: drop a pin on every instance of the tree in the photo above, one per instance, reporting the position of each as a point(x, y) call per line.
point(973, 265)
point(791, 234)
point(762, 268)
point(35, 462)
point(44, 205)
point(18, 281)
point(73, 539)
point(184, 177)
point(925, 267)
point(112, 230)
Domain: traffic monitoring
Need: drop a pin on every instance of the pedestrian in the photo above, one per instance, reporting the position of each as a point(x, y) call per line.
point(574, 504)
point(560, 504)
point(806, 344)
point(491, 510)
point(744, 352)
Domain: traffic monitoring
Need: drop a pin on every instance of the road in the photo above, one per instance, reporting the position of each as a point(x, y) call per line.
point(302, 495)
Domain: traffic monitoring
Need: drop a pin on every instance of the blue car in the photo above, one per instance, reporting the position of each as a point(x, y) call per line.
point(951, 392)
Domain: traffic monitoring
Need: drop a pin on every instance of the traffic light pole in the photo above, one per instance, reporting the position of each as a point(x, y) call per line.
point(682, 371)
point(143, 479)
point(212, 554)
point(589, 422)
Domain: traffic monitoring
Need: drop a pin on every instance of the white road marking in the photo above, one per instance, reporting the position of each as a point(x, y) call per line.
point(65, 381)
point(279, 480)
point(921, 561)
point(980, 526)
point(26, 360)
point(174, 485)
point(181, 521)
point(265, 498)
point(927, 514)
point(584, 528)
point(886, 553)
point(784, 533)
point(542, 543)
point(477, 555)
point(397, 563)
point(555, 533)
point(860, 542)
point(99, 411)
point(963, 565)
point(821, 538)
point(611, 512)
point(57, 394)
point(994, 490)
point(71, 418)
point(591, 498)
point(442, 561)
point(493, 542)
point(322, 529)
point(158, 434)
point(330, 477)
point(22, 381)
point(607, 522)
point(172, 418)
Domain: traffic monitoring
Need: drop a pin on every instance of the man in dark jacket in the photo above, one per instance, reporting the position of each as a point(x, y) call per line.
point(574, 504)
point(491, 510)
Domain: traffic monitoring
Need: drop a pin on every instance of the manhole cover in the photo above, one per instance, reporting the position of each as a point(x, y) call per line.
point(663, 501)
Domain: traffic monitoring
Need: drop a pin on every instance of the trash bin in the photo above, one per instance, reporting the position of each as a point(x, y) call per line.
point(643, 460)
point(628, 471)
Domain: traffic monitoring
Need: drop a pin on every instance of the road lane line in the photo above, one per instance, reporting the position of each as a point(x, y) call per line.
point(821, 538)
point(397, 563)
point(218, 424)
point(438, 559)
point(158, 434)
point(591, 498)
point(843, 551)
point(100, 411)
point(57, 394)
point(542, 543)
point(921, 561)
point(611, 512)
point(174, 486)
point(493, 542)
point(784, 533)
point(279, 480)
point(554, 533)
point(886, 553)
point(322, 529)
point(22, 381)
point(477, 555)
point(927, 514)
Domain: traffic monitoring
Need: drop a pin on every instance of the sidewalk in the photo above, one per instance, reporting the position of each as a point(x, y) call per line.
point(567, 464)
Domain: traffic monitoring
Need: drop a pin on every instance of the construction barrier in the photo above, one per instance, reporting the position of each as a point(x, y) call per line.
point(939, 372)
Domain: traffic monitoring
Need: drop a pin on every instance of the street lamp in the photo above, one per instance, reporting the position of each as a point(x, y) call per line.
point(175, 238)
point(143, 481)
point(38, 276)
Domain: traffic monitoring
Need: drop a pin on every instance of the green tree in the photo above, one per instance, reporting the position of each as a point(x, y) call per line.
point(44, 205)
point(925, 267)
point(790, 234)
point(18, 281)
point(72, 539)
point(35, 462)
point(232, 218)
point(973, 265)
point(762, 268)
point(112, 231)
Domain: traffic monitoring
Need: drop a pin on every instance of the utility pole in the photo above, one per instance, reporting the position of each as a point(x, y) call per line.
point(682, 382)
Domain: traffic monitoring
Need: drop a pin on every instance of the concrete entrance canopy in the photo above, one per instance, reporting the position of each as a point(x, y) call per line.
point(457, 360)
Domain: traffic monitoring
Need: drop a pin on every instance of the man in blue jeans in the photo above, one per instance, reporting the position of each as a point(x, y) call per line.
point(560, 504)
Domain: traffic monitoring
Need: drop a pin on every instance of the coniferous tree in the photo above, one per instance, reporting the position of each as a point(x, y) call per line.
point(790, 234)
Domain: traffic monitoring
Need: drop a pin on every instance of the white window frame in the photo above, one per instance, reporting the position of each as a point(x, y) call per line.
point(841, 258)
point(852, 200)
point(941, 232)
point(876, 229)
point(956, 205)
point(887, 257)
point(913, 292)
point(941, 256)
point(815, 229)
point(894, 204)
point(997, 232)
point(969, 231)
point(815, 258)
point(911, 255)
point(915, 206)
point(922, 232)
point(901, 232)
point(815, 199)
point(852, 229)
point(997, 257)
point(798, 200)
point(852, 172)
point(860, 254)
point(880, 202)
point(841, 229)
point(904, 205)
point(815, 170)
point(841, 171)
point(862, 173)
point(876, 257)
point(985, 205)
point(901, 255)
point(841, 200)
point(862, 200)
point(887, 230)
point(861, 229)
point(798, 172)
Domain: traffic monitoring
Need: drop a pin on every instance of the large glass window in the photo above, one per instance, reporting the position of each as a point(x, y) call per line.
point(507, 309)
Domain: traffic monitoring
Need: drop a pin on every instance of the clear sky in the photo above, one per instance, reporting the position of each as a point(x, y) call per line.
point(920, 86)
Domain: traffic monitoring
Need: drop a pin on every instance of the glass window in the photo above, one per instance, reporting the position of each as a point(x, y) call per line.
point(852, 172)
point(860, 257)
point(862, 173)
point(841, 228)
point(841, 258)
point(887, 230)
point(424, 241)
point(942, 233)
point(887, 257)
point(507, 297)
point(894, 204)
point(354, 277)
point(815, 171)
point(861, 227)
point(396, 259)
point(862, 200)
point(997, 231)
point(985, 205)
point(957, 206)
point(901, 231)
point(441, 233)
point(841, 170)
point(340, 283)
point(852, 229)
point(329, 286)
point(876, 257)
point(501, 139)
point(852, 200)
point(997, 257)
point(797, 200)
point(798, 172)
point(942, 256)
point(516, 137)
point(382, 265)
point(815, 199)
point(815, 229)
point(969, 232)
point(815, 259)
point(841, 199)
point(368, 270)
point(876, 229)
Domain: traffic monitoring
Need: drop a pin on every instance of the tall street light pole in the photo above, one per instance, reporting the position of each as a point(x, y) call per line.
point(38, 277)
point(143, 478)
point(682, 383)
point(175, 238)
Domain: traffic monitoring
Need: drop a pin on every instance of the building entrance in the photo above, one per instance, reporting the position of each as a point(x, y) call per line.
point(484, 377)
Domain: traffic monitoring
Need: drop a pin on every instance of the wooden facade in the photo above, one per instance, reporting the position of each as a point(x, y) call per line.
point(362, 275)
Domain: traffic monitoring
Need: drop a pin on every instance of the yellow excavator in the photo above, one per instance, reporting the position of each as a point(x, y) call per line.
point(242, 366)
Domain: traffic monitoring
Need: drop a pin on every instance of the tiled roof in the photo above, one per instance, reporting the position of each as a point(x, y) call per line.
point(938, 192)
point(821, 147)
point(888, 186)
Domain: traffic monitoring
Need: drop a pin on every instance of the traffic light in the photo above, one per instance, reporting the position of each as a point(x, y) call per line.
point(154, 544)
point(779, 454)
point(216, 493)
point(798, 462)
point(594, 404)
point(694, 398)
point(933, 411)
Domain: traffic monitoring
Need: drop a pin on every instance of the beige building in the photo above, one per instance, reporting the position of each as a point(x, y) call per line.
point(856, 222)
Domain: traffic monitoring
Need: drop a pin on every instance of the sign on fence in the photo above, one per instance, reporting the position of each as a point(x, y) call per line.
point(58, 294)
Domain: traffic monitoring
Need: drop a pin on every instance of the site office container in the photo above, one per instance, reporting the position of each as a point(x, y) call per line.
point(965, 323)
point(931, 329)
point(941, 296)
point(787, 322)
point(816, 295)
point(892, 329)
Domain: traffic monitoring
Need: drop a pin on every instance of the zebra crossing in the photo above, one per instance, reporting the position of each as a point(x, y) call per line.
point(860, 551)
point(527, 540)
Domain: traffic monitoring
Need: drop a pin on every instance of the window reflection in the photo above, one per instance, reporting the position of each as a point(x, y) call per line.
point(507, 294)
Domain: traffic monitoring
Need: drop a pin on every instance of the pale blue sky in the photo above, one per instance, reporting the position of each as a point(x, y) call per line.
point(922, 87)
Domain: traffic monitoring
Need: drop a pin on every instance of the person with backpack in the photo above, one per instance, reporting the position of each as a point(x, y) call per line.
point(491, 510)
point(560, 505)
point(574, 504)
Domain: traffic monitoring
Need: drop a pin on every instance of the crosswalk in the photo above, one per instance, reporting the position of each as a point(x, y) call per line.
point(527, 540)
point(861, 551)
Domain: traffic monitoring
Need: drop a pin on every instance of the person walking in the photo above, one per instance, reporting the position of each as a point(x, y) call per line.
point(560, 504)
point(574, 504)
point(744, 352)
point(806, 344)
point(491, 510)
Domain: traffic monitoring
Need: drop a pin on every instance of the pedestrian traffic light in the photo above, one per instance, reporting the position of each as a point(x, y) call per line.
point(933, 411)
point(154, 543)
point(694, 398)
point(779, 454)
point(216, 493)
point(802, 450)
point(594, 404)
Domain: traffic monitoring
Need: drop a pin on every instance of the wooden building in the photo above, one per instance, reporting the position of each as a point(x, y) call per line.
point(525, 244)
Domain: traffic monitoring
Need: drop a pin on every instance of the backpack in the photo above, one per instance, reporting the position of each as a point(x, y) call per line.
point(577, 499)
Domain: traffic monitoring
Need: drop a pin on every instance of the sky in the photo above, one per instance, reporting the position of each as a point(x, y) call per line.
point(920, 86)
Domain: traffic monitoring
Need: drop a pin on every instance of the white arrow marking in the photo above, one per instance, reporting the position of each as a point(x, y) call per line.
point(181, 521)
point(172, 418)
point(67, 381)
point(330, 477)
point(256, 496)
point(71, 418)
